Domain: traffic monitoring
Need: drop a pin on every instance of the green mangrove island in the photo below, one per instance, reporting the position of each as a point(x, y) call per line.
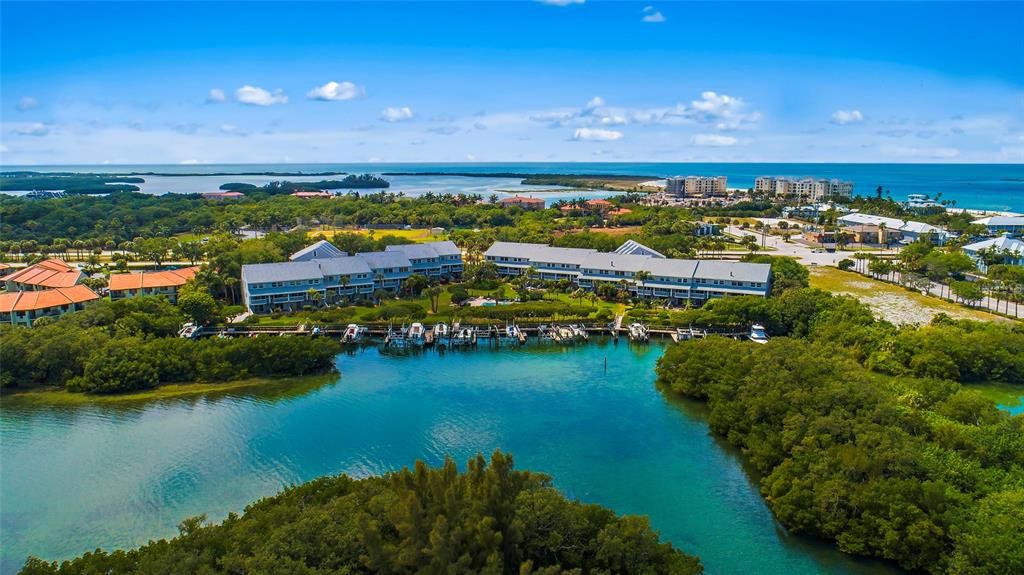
point(488, 519)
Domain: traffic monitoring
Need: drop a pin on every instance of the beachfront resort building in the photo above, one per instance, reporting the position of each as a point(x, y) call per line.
point(1004, 249)
point(157, 283)
point(641, 270)
point(867, 228)
point(24, 307)
point(309, 279)
point(803, 189)
point(696, 186)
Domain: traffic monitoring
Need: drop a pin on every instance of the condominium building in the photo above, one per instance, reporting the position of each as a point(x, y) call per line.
point(24, 307)
point(292, 284)
point(47, 274)
point(696, 186)
point(804, 189)
point(642, 274)
point(165, 283)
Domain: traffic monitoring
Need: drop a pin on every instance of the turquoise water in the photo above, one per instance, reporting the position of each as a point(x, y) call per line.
point(76, 478)
point(979, 186)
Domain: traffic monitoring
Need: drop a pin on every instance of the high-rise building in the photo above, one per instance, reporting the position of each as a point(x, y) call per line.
point(696, 186)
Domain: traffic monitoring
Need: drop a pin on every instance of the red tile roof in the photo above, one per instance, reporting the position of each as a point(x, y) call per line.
point(51, 273)
point(43, 299)
point(521, 200)
point(169, 278)
point(600, 204)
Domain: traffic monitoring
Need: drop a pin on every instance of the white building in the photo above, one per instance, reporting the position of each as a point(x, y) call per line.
point(676, 280)
point(804, 189)
point(696, 186)
point(908, 230)
point(1009, 249)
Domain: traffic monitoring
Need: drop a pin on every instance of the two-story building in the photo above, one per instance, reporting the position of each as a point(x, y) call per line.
point(47, 274)
point(162, 283)
point(638, 269)
point(24, 307)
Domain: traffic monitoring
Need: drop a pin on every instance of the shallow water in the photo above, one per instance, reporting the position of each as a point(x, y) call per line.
point(117, 475)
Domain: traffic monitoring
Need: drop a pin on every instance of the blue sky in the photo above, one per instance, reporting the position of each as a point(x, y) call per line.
point(198, 82)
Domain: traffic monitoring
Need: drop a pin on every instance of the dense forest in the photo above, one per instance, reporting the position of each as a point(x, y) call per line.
point(131, 344)
point(488, 519)
point(69, 183)
point(868, 434)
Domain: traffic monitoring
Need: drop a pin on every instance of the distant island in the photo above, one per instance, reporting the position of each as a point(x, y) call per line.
point(92, 183)
point(350, 182)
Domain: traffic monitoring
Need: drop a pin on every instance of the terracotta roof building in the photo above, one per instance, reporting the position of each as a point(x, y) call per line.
point(523, 202)
point(165, 283)
point(223, 195)
point(47, 274)
point(24, 307)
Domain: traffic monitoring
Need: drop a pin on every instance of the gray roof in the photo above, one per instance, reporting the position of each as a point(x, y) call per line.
point(513, 249)
point(445, 248)
point(381, 260)
point(614, 261)
point(739, 271)
point(284, 271)
point(343, 266)
point(635, 247)
point(321, 249)
point(670, 267)
point(1006, 221)
point(414, 251)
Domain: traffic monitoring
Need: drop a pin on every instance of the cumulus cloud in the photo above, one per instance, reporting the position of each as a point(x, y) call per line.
point(393, 114)
point(34, 129)
point(844, 117)
point(714, 140)
point(596, 135)
point(254, 96)
point(336, 92)
point(561, 2)
point(612, 120)
point(594, 103)
point(215, 96)
point(27, 103)
point(652, 16)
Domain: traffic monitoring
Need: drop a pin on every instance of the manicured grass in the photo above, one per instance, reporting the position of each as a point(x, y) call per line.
point(417, 235)
point(892, 302)
point(55, 397)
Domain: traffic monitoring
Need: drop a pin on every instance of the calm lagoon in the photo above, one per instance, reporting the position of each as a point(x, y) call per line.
point(116, 475)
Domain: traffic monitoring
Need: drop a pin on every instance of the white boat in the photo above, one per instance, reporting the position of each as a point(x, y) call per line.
point(440, 331)
point(190, 331)
point(353, 333)
point(757, 334)
point(579, 332)
point(416, 334)
point(638, 332)
point(463, 336)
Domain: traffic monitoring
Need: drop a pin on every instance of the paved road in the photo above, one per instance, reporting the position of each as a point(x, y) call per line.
point(808, 256)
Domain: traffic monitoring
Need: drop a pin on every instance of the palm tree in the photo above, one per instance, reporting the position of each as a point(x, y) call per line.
point(640, 277)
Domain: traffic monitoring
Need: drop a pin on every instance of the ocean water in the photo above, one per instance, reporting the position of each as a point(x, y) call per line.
point(116, 476)
point(997, 187)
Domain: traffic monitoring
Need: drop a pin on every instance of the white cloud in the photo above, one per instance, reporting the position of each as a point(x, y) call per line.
point(561, 2)
point(259, 97)
point(725, 111)
point(215, 95)
point(596, 135)
point(652, 16)
point(336, 92)
point(34, 129)
point(190, 162)
point(470, 158)
point(595, 102)
point(393, 114)
point(612, 120)
point(232, 130)
point(714, 140)
point(27, 103)
point(844, 117)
